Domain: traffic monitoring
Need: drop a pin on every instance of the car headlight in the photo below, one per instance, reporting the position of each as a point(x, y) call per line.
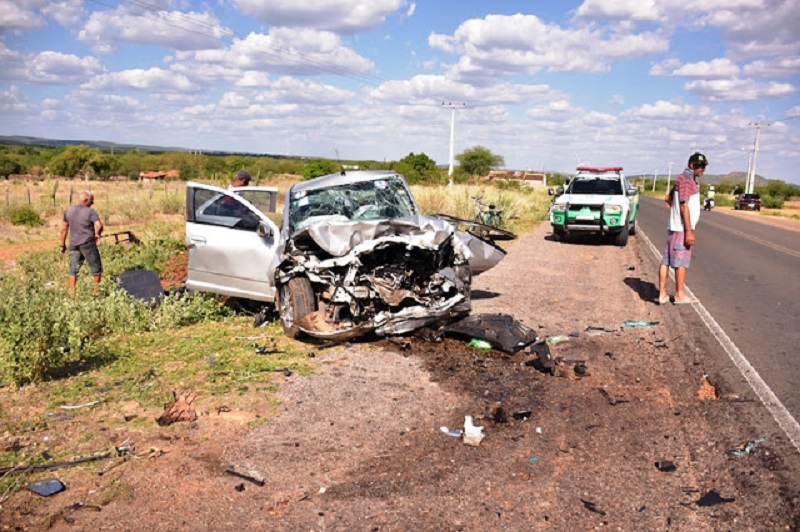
point(613, 209)
point(559, 208)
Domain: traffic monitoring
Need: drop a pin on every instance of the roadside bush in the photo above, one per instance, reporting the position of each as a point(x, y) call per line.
point(26, 216)
point(772, 202)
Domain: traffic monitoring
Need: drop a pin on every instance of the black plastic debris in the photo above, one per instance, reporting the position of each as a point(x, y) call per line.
point(501, 330)
point(499, 413)
point(46, 488)
point(544, 361)
point(666, 466)
point(612, 400)
point(142, 284)
point(257, 481)
point(522, 415)
point(580, 369)
point(712, 498)
point(239, 487)
point(592, 507)
point(747, 448)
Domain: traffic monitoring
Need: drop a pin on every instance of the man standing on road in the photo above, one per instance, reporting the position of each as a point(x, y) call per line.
point(83, 224)
point(684, 202)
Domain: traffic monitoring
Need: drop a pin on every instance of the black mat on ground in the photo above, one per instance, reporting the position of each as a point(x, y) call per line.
point(142, 284)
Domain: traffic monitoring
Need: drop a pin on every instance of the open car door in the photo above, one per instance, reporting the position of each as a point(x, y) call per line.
point(233, 244)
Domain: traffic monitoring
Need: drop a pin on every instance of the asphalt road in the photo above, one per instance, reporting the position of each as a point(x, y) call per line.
point(747, 275)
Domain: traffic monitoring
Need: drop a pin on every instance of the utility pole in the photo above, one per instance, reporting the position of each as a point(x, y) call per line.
point(452, 106)
point(655, 176)
point(669, 175)
point(751, 178)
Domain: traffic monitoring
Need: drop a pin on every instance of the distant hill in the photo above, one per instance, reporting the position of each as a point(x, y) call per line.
point(115, 147)
point(711, 179)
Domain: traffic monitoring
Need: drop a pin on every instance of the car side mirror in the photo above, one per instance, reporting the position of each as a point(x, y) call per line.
point(263, 230)
point(633, 191)
point(559, 191)
point(550, 192)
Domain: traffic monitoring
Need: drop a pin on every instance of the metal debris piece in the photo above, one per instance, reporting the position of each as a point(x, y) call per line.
point(257, 481)
point(592, 508)
point(401, 342)
point(747, 448)
point(666, 466)
point(712, 498)
point(502, 331)
point(612, 400)
point(179, 409)
point(634, 323)
point(46, 488)
point(544, 361)
point(522, 415)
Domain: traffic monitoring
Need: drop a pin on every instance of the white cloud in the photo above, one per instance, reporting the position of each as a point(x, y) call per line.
point(66, 12)
point(510, 45)
point(173, 29)
point(339, 16)
point(778, 67)
point(55, 67)
point(739, 90)
point(292, 90)
point(252, 78)
point(715, 68)
point(299, 52)
point(20, 14)
point(153, 79)
point(637, 10)
point(663, 110)
point(12, 100)
point(411, 8)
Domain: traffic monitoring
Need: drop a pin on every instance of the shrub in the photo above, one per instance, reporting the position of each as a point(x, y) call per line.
point(772, 202)
point(26, 216)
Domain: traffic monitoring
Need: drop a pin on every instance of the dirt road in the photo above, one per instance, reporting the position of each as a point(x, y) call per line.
point(360, 447)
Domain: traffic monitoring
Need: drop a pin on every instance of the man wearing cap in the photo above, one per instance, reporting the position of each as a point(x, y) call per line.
point(240, 179)
point(684, 203)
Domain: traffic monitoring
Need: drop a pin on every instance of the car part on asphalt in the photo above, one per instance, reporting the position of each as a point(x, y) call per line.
point(666, 466)
point(46, 488)
point(502, 331)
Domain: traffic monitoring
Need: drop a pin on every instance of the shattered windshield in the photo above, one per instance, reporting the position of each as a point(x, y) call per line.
point(365, 200)
point(595, 186)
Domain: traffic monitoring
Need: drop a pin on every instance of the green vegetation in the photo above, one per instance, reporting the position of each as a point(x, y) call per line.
point(25, 216)
point(477, 161)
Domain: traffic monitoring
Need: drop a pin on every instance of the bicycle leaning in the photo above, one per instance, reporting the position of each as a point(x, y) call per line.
point(488, 222)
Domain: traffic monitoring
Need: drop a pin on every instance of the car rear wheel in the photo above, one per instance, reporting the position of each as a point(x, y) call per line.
point(296, 300)
point(621, 239)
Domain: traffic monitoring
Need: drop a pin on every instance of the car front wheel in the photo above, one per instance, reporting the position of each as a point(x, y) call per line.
point(296, 300)
point(621, 239)
point(632, 229)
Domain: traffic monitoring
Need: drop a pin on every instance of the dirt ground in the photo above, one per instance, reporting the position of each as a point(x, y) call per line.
point(636, 439)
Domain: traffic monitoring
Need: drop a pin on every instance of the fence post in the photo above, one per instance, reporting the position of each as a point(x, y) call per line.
point(28, 190)
point(7, 203)
point(151, 189)
point(70, 195)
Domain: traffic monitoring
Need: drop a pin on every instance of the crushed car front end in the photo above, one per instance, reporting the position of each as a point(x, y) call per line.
point(381, 276)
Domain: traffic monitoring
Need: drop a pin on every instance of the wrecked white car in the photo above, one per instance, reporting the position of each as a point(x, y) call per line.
point(353, 255)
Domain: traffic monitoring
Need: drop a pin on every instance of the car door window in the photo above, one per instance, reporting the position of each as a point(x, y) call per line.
point(214, 208)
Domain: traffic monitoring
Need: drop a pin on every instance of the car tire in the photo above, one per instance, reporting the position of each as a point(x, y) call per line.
point(621, 238)
point(295, 300)
point(632, 228)
point(559, 235)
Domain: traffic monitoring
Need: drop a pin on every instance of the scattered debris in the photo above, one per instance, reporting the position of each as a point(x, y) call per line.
point(239, 487)
point(124, 449)
point(544, 361)
point(46, 488)
point(557, 339)
point(25, 469)
point(142, 284)
point(84, 405)
point(522, 415)
point(712, 498)
point(666, 466)
point(592, 508)
point(401, 342)
point(581, 370)
point(179, 409)
point(533, 459)
point(633, 323)
point(257, 481)
point(707, 391)
point(479, 344)
point(575, 334)
point(612, 400)
point(499, 413)
point(472, 434)
point(501, 331)
point(747, 448)
point(457, 433)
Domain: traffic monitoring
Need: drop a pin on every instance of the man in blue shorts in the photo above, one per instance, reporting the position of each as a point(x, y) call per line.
point(83, 224)
point(684, 203)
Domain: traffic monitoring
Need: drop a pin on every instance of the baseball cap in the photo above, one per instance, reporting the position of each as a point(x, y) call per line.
point(243, 175)
point(698, 159)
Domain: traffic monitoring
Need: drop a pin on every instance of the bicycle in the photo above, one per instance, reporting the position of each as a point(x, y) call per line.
point(488, 221)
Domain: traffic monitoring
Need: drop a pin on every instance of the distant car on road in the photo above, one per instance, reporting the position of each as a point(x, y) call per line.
point(747, 202)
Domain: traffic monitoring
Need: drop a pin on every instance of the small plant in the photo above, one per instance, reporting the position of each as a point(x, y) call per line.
point(772, 202)
point(26, 216)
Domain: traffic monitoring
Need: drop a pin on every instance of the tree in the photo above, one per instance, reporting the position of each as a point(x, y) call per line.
point(317, 168)
point(477, 161)
point(74, 161)
point(417, 169)
point(9, 165)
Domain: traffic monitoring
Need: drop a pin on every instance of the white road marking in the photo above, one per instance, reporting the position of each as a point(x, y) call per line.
point(779, 412)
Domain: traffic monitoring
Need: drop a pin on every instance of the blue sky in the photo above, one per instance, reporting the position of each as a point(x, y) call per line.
point(547, 84)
